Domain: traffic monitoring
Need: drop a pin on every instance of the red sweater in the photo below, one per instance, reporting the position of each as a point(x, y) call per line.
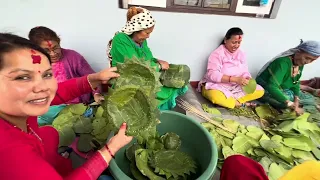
point(23, 156)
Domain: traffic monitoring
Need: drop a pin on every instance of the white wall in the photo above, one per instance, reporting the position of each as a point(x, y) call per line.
point(86, 26)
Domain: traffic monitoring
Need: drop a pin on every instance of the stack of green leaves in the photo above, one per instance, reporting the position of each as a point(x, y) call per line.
point(159, 158)
point(92, 131)
point(176, 76)
point(133, 100)
point(278, 149)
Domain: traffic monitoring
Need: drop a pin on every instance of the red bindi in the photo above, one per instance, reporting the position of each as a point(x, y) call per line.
point(36, 59)
point(49, 44)
point(39, 71)
point(240, 37)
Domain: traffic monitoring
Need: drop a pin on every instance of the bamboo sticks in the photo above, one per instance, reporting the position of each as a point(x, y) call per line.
point(188, 107)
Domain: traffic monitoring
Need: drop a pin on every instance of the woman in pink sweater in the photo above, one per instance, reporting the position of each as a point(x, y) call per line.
point(27, 90)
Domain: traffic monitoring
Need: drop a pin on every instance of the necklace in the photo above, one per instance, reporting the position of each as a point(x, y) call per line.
point(294, 71)
point(30, 131)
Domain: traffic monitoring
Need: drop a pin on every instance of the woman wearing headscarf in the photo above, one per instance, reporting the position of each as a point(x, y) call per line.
point(280, 77)
point(227, 72)
point(131, 42)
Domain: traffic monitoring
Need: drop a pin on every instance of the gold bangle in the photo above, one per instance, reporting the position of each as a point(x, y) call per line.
point(90, 83)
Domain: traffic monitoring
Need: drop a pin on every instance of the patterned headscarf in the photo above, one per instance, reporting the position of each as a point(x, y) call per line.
point(310, 47)
point(138, 22)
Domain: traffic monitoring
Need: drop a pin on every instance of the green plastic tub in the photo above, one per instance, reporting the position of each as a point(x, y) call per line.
point(196, 141)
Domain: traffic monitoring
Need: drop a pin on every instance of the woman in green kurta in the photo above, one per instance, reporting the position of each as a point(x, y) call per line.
point(280, 77)
point(131, 42)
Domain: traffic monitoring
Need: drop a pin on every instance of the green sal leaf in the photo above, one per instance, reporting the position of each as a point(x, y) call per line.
point(208, 126)
point(66, 136)
point(250, 87)
point(276, 171)
point(101, 129)
point(65, 120)
point(99, 112)
point(84, 143)
point(231, 125)
point(211, 110)
point(136, 173)
point(286, 126)
point(267, 112)
point(173, 163)
point(265, 162)
point(171, 141)
point(141, 156)
point(130, 151)
point(227, 151)
point(304, 155)
point(254, 132)
point(82, 125)
point(316, 153)
point(241, 144)
point(224, 133)
point(131, 105)
point(78, 109)
point(269, 144)
point(299, 143)
point(139, 73)
point(176, 76)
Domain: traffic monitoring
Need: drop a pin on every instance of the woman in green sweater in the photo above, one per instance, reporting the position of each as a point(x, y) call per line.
point(280, 77)
point(131, 41)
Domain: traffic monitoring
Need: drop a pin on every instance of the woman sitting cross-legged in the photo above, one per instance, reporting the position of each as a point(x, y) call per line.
point(280, 77)
point(227, 72)
point(131, 42)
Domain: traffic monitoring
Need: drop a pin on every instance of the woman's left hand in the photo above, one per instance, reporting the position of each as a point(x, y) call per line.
point(164, 64)
point(98, 98)
point(299, 111)
point(102, 77)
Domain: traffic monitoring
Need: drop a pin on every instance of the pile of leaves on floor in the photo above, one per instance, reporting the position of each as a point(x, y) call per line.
point(288, 142)
point(132, 99)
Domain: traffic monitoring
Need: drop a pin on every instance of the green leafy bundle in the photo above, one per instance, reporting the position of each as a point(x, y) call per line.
point(160, 158)
point(133, 100)
point(278, 148)
point(176, 76)
point(92, 131)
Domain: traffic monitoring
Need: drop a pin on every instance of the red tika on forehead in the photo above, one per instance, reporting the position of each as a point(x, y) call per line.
point(36, 59)
point(240, 37)
point(49, 44)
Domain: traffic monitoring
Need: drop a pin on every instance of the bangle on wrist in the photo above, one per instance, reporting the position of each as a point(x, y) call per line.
point(93, 89)
point(108, 149)
point(289, 104)
point(160, 66)
point(229, 78)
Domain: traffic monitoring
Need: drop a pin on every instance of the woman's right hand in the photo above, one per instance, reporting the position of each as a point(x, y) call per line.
point(242, 81)
point(290, 104)
point(119, 140)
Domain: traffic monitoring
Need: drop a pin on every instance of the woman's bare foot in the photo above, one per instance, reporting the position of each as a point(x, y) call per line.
point(247, 104)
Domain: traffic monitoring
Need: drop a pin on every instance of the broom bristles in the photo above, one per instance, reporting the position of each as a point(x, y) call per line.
point(188, 107)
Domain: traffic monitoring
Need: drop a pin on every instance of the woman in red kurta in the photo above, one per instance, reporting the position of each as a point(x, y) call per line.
point(27, 90)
